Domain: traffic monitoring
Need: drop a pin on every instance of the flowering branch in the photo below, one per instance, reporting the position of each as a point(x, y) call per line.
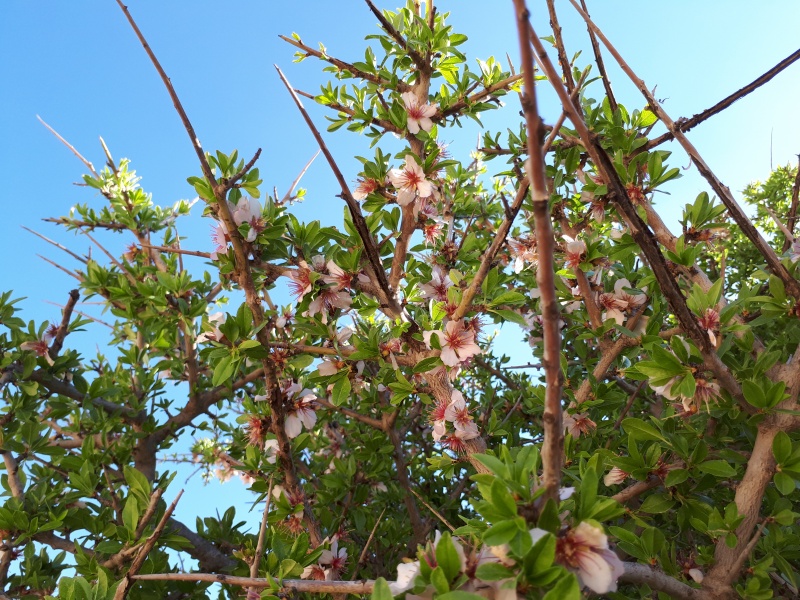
point(345, 66)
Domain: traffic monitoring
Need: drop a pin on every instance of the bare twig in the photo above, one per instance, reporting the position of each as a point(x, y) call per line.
point(57, 245)
point(126, 584)
point(415, 56)
point(63, 328)
point(601, 68)
point(297, 179)
point(262, 534)
point(363, 554)
point(658, 580)
point(355, 210)
point(177, 251)
point(686, 124)
point(433, 510)
point(70, 146)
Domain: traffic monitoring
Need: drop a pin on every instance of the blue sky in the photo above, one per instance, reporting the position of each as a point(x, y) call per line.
point(79, 66)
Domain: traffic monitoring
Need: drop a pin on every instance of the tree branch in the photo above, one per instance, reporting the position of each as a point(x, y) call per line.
point(658, 580)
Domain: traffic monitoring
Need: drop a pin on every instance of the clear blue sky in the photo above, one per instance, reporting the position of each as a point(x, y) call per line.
point(79, 66)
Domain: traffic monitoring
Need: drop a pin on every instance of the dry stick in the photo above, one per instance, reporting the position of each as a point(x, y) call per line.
point(262, 533)
point(566, 68)
point(63, 329)
point(792, 220)
point(345, 66)
point(724, 193)
point(415, 56)
point(126, 584)
point(686, 124)
point(57, 245)
point(433, 510)
point(355, 210)
point(363, 554)
point(629, 404)
point(601, 68)
point(643, 236)
point(58, 266)
point(372, 422)
point(209, 174)
point(505, 226)
point(288, 195)
point(89, 165)
point(118, 559)
point(287, 585)
point(552, 417)
point(177, 251)
point(637, 489)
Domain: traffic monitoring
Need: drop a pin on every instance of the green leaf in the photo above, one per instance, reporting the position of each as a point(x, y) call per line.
point(447, 557)
point(641, 430)
point(493, 571)
point(754, 394)
point(341, 391)
point(439, 581)
point(785, 483)
point(782, 447)
point(657, 504)
point(718, 468)
point(380, 590)
point(459, 595)
point(502, 499)
point(130, 514)
point(500, 533)
point(567, 588)
point(676, 477)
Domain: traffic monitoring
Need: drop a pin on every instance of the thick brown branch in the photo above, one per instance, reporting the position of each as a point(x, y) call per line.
point(552, 418)
point(63, 328)
point(658, 580)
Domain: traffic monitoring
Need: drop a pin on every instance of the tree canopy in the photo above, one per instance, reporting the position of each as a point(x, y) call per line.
point(649, 450)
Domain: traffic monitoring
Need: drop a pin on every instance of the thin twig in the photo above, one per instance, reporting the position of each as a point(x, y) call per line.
point(89, 165)
point(57, 245)
point(178, 251)
point(601, 68)
point(63, 328)
point(262, 534)
point(363, 554)
point(288, 195)
point(433, 510)
point(126, 584)
point(187, 124)
point(686, 124)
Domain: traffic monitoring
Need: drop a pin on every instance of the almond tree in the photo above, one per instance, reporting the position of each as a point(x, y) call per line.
point(650, 452)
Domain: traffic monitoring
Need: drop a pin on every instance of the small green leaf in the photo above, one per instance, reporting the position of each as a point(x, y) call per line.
point(782, 447)
point(718, 468)
point(447, 557)
point(657, 504)
point(567, 588)
point(380, 590)
point(500, 533)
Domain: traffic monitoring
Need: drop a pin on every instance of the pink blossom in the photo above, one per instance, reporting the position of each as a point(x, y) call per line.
point(40, 347)
point(419, 115)
point(300, 281)
point(458, 413)
point(303, 412)
point(326, 301)
point(615, 476)
point(578, 424)
point(575, 252)
point(457, 343)
point(328, 367)
point(524, 251)
point(337, 277)
point(365, 188)
point(248, 210)
point(219, 236)
point(436, 288)
point(410, 182)
point(584, 550)
point(214, 321)
point(335, 559)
